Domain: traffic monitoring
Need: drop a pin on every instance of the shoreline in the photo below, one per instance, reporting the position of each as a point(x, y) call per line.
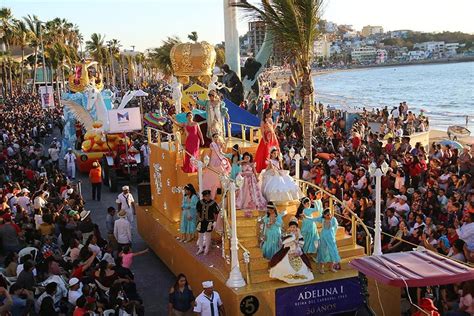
point(436, 135)
point(324, 71)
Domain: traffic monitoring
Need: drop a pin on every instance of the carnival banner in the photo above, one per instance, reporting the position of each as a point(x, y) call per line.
point(325, 298)
point(125, 120)
point(47, 96)
point(194, 90)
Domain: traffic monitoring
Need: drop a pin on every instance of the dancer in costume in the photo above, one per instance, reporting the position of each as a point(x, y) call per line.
point(267, 142)
point(327, 252)
point(272, 231)
point(207, 212)
point(194, 139)
point(290, 264)
point(249, 197)
point(188, 213)
point(308, 228)
point(219, 164)
point(277, 185)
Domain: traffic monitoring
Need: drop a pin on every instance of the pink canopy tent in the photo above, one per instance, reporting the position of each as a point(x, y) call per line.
point(415, 268)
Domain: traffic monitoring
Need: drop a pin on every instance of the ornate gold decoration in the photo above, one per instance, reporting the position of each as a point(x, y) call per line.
point(193, 60)
point(296, 263)
point(157, 177)
point(85, 73)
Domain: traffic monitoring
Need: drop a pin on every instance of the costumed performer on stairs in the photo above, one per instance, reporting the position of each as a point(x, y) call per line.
point(187, 225)
point(249, 197)
point(308, 228)
point(277, 185)
point(327, 252)
point(267, 142)
point(207, 212)
point(290, 264)
point(194, 139)
point(272, 231)
point(219, 165)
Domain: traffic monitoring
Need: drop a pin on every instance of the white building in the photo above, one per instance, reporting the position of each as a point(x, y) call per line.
point(417, 55)
point(435, 49)
point(364, 55)
point(371, 30)
point(399, 34)
point(382, 56)
point(451, 49)
point(322, 48)
point(330, 27)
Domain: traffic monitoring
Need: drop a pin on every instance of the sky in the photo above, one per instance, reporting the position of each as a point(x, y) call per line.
point(145, 23)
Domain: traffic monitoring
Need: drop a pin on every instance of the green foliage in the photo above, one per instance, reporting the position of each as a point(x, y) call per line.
point(160, 56)
point(193, 36)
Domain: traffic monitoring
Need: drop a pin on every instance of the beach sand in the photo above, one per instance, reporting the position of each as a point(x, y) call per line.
point(438, 135)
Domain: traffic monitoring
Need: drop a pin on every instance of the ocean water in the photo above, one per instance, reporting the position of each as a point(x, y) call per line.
point(444, 91)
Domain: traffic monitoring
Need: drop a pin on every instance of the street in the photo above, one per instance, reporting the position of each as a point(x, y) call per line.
point(152, 277)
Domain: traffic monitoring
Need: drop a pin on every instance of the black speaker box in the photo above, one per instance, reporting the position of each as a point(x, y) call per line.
point(144, 194)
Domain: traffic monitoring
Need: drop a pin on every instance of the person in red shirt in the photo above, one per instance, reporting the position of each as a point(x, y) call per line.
point(356, 141)
point(79, 268)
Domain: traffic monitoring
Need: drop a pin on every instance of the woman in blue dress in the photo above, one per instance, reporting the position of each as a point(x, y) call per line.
point(235, 159)
point(188, 214)
point(327, 252)
point(272, 231)
point(308, 228)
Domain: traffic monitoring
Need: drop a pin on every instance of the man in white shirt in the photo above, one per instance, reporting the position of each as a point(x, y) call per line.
point(126, 202)
point(75, 291)
point(209, 303)
point(53, 152)
point(400, 205)
point(122, 229)
point(24, 200)
point(362, 182)
point(145, 150)
point(70, 160)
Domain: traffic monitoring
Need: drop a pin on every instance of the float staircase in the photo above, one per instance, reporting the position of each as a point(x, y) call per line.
point(248, 234)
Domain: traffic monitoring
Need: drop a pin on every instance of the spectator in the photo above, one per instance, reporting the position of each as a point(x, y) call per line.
point(181, 297)
point(122, 230)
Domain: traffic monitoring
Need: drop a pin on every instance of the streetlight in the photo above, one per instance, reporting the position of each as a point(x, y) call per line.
point(376, 172)
point(297, 158)
point(236, 279)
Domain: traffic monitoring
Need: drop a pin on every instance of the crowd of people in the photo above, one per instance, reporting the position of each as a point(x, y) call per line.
point(56, 259)
point(427, 195)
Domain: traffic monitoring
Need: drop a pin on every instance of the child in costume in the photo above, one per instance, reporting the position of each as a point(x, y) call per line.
point(308, 227)
point(272, 231)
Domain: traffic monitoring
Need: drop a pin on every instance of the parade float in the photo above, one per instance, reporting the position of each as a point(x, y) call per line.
point(236, 263)
point(86, 130)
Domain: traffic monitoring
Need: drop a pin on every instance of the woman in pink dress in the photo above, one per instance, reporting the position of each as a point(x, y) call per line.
point(249, 197)
point(193, 140)
point(219, 165)
point(268, 141)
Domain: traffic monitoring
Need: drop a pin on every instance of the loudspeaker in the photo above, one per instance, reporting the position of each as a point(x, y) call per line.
point(144, 194)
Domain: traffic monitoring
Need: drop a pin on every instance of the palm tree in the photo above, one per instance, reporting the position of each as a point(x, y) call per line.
point(6, 18)
point(193, 36)
point(21, 38)
point(294, 25)
point(34, 25)
point(114, 51)
point(139, 60)
point(161, 55)
point(97, 49)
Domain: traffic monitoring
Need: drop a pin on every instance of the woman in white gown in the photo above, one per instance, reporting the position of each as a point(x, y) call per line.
point(290, 264)
point(277, 185)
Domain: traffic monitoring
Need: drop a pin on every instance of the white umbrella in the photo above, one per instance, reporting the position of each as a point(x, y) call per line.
point(141, 93)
